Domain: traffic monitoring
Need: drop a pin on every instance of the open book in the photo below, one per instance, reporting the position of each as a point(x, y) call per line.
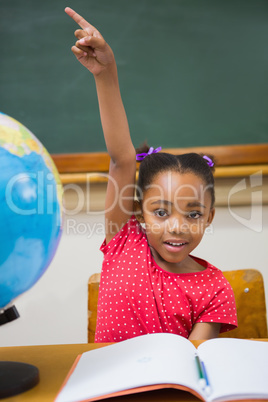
point(219, 370)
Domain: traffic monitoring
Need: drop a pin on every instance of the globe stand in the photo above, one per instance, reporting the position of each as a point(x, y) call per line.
point(10, 314)
point(15, 377)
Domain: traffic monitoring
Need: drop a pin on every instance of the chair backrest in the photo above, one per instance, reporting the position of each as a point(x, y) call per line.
point(250, 302)
point(93, 293)
point(249, 294)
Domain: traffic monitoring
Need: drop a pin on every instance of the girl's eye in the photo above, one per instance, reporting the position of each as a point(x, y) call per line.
point(160, 213)
point(195, 215)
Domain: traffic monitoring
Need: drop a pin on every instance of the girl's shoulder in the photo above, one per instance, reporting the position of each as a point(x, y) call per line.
point(206, 265)
point(209, 269)
point(212, 274)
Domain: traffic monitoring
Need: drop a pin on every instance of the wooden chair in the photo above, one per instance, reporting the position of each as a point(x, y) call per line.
point(93, 293)
point(249, 294)
point(250, 301)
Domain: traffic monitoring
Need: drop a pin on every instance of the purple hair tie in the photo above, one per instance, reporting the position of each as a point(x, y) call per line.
point(140, 157)
point(209, 161)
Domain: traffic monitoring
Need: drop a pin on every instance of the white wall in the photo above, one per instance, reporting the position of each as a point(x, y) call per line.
point(54, 311)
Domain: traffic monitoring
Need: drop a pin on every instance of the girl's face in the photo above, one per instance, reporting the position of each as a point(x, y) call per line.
point(176, 210)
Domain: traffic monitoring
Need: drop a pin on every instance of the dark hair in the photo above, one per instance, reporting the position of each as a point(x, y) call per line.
point(155, 163)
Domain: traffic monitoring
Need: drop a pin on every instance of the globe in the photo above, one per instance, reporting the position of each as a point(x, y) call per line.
point(30, 209)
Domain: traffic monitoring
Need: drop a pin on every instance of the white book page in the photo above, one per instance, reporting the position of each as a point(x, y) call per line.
point(236, 367)
point(145, 360)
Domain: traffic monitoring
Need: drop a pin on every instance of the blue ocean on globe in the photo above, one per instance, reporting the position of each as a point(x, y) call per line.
point(31, 209)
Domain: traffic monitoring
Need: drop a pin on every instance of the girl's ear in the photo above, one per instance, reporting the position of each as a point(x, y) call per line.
point(210, 217)
point(138, 211)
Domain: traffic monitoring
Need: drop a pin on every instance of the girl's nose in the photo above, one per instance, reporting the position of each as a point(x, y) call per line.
point(177, 225)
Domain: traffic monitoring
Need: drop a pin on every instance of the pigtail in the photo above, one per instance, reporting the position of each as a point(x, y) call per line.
point(143, 148)
point(211, 161)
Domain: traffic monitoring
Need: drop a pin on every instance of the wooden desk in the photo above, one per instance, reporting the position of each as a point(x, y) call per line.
point(54, 363)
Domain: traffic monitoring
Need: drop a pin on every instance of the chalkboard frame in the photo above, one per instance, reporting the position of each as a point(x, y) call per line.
point(216, 48)
point(232, 160)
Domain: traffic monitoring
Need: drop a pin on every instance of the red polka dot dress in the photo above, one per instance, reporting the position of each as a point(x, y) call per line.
point(137, 297)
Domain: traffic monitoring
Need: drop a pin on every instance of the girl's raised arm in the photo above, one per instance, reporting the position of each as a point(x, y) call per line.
point(96, 55)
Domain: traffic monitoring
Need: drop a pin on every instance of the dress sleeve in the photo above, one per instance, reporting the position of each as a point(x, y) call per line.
point(125, 234)
point(221, 308)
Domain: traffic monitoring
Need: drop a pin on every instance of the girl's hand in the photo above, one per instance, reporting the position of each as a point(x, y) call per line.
point(91, 49)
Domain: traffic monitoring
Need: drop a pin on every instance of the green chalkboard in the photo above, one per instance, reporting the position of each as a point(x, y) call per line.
point(192, 72)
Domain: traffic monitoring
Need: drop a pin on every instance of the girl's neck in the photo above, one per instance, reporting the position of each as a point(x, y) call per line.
point(188, 265)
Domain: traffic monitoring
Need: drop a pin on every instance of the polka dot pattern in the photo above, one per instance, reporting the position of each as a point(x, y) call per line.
point(137, 297)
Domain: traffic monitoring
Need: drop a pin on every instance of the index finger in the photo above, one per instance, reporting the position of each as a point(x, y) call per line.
point(78, 19)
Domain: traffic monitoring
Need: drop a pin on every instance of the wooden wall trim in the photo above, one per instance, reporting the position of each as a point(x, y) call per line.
point(226, 155)
point(220, 172)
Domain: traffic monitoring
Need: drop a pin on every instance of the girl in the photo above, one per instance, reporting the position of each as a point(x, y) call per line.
point(150, 282)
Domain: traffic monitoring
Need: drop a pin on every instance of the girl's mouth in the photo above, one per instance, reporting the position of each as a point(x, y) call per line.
point(174, 246)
